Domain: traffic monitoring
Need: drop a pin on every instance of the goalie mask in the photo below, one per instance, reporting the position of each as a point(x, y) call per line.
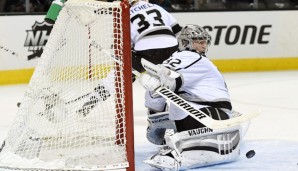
point(191, 33)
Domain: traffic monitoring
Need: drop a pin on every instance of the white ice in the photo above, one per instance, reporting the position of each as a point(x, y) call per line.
point(273, 135)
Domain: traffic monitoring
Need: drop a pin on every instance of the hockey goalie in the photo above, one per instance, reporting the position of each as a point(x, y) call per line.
point(191, 75)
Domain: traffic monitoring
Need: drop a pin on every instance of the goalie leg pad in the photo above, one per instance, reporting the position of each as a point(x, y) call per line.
point(212, 147)
point(197, 148)
point(154, 103)
point(244, 126)
point(157, 125)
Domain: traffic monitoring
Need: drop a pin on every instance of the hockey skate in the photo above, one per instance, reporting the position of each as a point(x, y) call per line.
point(88, 106)
point(99, 94)
point(166, 159)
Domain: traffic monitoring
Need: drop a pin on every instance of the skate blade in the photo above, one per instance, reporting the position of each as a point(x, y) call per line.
point(158, 166)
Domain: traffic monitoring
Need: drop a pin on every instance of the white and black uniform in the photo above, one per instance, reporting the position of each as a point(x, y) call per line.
point(194, 145)
point(202, 85)
point(197, 80)
point(153, 34)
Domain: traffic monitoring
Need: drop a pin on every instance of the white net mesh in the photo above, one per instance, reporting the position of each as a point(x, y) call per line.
point(71, 117)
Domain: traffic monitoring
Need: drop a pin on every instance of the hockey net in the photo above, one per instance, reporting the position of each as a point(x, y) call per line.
point(76, 113)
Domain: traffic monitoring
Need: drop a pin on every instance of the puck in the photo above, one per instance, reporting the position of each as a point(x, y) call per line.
point(19, 104)
point(250, 154)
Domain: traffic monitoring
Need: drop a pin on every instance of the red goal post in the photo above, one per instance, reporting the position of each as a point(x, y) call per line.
point(77, 113)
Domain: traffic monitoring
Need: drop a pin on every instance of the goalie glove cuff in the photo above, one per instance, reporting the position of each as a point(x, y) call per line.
point(170, 79)
point(149, 82)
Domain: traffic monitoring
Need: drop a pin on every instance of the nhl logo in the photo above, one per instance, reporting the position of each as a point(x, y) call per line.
point(37, 38)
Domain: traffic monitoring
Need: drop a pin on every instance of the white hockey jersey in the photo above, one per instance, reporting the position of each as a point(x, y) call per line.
point(152, 27)
point(203, 85)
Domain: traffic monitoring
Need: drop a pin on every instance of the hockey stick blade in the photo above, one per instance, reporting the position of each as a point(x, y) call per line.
point(199, 115)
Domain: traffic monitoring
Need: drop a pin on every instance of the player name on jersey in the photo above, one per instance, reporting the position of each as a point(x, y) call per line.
point(142, 7)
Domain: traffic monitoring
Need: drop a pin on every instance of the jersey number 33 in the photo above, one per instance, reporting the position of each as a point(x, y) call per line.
point(146, 17)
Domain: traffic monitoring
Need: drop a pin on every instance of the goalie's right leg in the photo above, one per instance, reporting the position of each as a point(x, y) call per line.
point(158, 118)
point(157, 125)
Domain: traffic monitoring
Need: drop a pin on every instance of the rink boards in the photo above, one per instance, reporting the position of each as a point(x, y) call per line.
point(240, 41)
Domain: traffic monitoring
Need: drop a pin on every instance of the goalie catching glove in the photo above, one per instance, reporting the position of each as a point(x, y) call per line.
point(149, 82)
point(158, 75)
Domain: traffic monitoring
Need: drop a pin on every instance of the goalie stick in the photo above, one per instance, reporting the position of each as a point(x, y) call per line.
point(199, 115)
point(180, 102)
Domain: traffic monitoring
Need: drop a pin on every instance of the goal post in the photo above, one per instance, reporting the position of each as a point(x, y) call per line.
point(77, 113)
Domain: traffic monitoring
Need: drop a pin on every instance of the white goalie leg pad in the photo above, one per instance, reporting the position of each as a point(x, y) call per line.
point(212, 147)
point(158, 121)
point(154, 103)
point(243, 126)
point(157, 125)
point(199, 147)
point(199, 158)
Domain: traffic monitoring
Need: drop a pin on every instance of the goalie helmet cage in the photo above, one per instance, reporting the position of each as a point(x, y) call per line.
point(77, 111)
